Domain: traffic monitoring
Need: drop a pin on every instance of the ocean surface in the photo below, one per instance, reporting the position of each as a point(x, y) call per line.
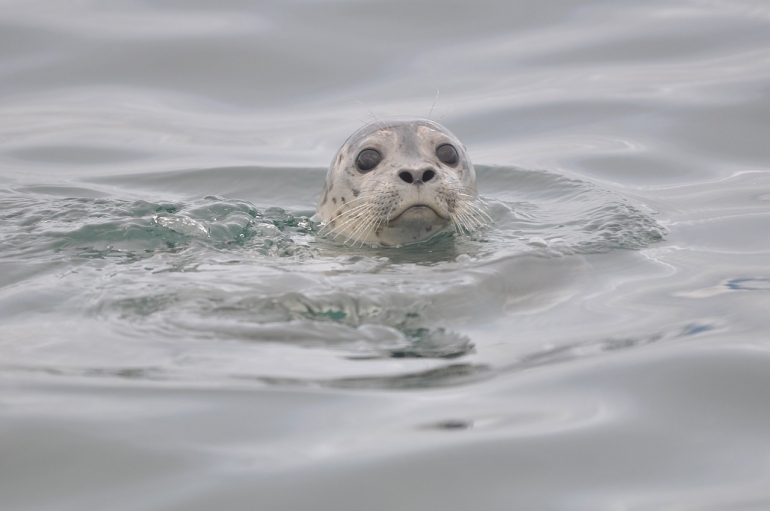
point(176, 335)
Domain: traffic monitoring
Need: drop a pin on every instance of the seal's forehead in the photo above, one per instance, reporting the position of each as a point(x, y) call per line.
point(401, 126)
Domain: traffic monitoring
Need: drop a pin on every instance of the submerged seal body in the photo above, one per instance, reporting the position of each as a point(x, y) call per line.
point(397, 181)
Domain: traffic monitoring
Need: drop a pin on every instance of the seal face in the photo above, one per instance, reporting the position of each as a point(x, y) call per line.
point(397, 181)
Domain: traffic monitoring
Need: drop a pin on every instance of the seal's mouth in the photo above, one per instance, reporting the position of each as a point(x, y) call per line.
point(419, 213)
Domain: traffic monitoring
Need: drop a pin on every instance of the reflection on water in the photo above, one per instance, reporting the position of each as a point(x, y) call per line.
point(175, 333)
point(750, 284)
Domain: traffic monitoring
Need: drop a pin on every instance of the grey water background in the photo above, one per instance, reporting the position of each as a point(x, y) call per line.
point(174, 335)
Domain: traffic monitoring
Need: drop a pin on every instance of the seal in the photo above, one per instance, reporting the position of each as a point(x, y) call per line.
point(400, 180)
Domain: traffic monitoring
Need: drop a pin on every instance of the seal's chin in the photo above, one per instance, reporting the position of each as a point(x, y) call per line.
point(414, 224)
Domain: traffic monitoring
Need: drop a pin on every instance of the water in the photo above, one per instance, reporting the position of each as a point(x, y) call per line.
point(175, 335)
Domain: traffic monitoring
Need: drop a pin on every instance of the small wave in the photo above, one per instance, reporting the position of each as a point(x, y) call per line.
point(102, 228)
point(262, 275)
point(539, 210)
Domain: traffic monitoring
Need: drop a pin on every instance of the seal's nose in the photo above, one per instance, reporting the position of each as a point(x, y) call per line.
point(417, 176)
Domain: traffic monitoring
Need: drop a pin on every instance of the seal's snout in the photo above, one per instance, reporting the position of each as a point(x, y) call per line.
point(417, 176)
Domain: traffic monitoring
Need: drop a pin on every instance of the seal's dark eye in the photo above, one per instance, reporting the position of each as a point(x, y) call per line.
point(447, 154)
point(368, 159)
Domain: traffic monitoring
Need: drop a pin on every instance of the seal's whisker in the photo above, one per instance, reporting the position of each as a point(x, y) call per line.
point(346, 205)
point(358, 231)
point(479, 216)
point(351, 235)
point(472, 216)
point(345, 220)
point(354, 218)
point(461, 229)
point(353, 212)
point(339, 231)
point(465, 222)
point(456, 224)
point(367, 109)
point(474, 207)
point(447, 113)
point(467, 194)
point(480, 210)
point(470, 224)
point(457, 221)
point(365, 215)
point(365, 231)
point(390, 211)
point(360, 228)
point(460, 187)
point(433, 105)
point(462, 194)
point(372, 228)
point(468, 216)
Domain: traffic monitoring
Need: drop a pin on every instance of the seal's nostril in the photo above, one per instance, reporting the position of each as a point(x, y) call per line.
point(428, 175)
point(406, 176)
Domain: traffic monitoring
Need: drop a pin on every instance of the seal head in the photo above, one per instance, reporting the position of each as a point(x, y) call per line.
point(397, 181)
